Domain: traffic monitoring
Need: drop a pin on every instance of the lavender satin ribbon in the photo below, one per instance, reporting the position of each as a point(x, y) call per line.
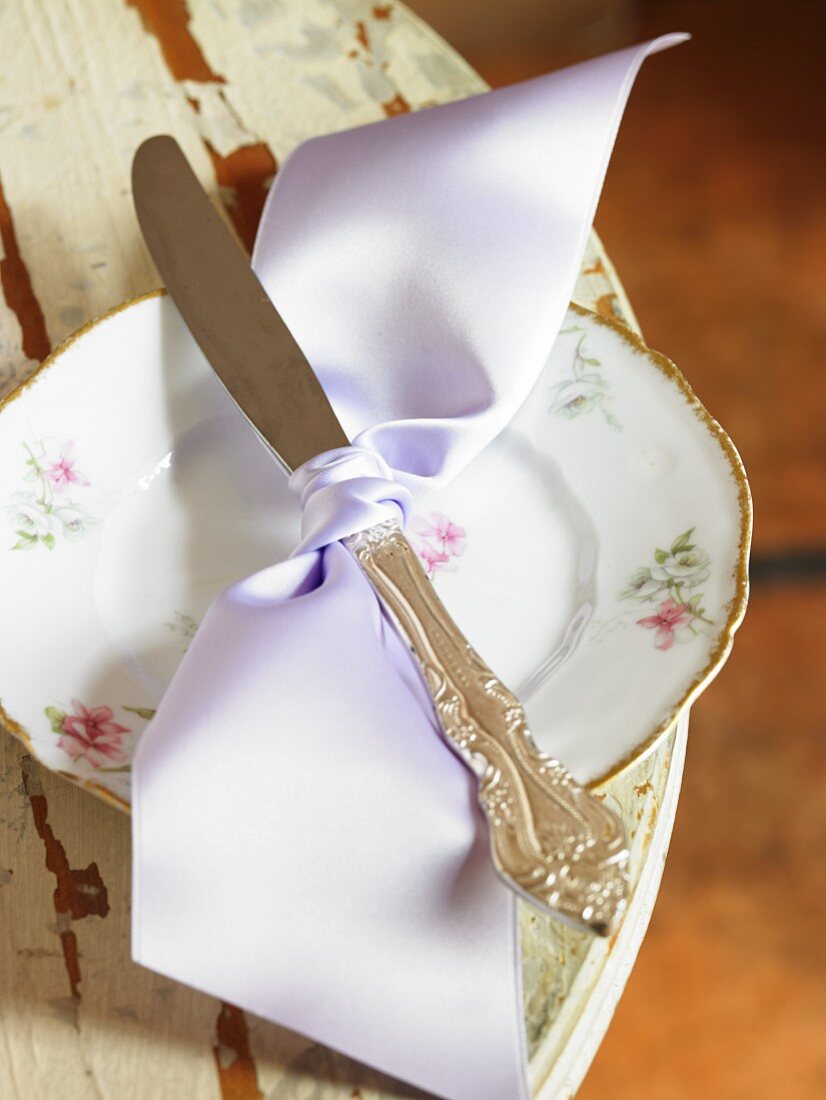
point(305, 846)
point(344, 491)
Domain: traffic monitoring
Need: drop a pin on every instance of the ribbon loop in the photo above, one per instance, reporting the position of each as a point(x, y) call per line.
point(344, 491)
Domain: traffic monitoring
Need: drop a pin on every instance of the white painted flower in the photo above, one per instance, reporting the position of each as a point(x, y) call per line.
point(46, 511)
point(642, 585)
point(74, 520)
point(29, 517)
point(688, 567)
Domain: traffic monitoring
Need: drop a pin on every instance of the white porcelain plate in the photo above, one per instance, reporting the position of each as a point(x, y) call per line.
point(595, 554)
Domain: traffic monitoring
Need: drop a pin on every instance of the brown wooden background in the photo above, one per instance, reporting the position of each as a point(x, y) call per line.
point(717, 187)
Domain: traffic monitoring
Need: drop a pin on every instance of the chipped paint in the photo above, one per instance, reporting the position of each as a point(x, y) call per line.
point(237, 1075)
point(168, 21)
point(606, 306)
point(362, 36)
point(596, 268)
point(17, 288)
point(398, 105)
point(244, 166)
point(373, 63)
point(79, 893)
point(244, 177)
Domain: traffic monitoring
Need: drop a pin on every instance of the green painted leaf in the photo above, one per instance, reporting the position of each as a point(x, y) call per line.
point(682, 542)
point(25, 541)
point(48, 540)
point(660, 556)
point(592, 362)
point(142, 712)
point(55, 717)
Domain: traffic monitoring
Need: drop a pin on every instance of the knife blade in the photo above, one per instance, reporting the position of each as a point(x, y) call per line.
point(248, 345)
point(551, 840)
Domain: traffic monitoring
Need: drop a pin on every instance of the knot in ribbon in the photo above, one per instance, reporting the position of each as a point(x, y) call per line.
point(344, 491)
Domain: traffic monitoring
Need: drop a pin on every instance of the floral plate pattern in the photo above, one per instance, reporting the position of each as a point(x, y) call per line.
point(595, 553)
point(46, 509)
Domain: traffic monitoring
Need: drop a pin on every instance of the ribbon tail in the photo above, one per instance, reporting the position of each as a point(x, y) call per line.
point(324, 872)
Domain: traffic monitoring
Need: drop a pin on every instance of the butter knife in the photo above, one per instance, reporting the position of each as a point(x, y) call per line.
point(551, 839)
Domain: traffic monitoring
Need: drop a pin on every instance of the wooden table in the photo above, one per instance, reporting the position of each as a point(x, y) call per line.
point(239, 83)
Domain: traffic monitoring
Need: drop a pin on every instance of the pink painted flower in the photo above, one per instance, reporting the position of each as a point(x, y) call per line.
point(451, 537)
point(91, 734)
point(61, 470)
point(433, 558)
point(669, 617)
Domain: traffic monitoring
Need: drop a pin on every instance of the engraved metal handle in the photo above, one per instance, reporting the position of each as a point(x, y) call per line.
point(551, 839)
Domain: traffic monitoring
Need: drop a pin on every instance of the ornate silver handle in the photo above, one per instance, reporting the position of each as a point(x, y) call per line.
point(551, 839)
